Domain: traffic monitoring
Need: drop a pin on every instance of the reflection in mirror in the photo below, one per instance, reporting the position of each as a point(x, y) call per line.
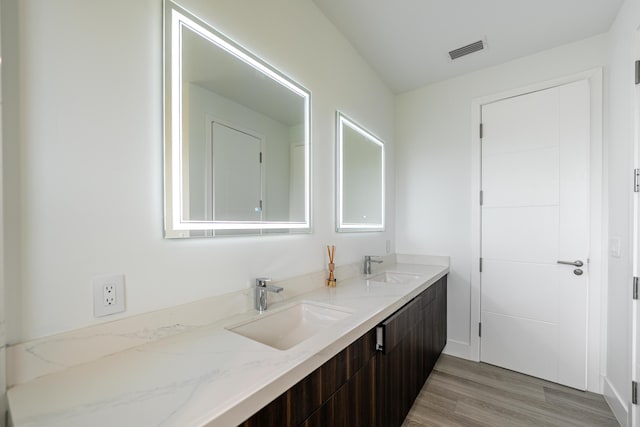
point(236, 137)
point(360, 182)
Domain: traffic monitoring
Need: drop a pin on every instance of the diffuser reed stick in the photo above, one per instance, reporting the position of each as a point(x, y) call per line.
point(331, 251)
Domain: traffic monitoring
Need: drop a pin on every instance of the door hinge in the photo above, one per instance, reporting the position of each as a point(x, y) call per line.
point(634, 392)
point(261, 157)
point(481, 130)
point(480, 329)
point(481, 197)
point(638, 72)
point(480, 265)
point(635, 288)
point(636, 180)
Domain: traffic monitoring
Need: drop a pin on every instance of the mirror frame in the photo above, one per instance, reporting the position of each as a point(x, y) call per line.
point(341, 226)
point(175, 16)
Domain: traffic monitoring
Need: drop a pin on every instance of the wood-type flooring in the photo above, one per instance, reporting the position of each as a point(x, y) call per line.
point(465, 393)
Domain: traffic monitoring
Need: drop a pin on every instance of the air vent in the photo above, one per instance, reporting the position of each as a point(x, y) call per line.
point(466, 50)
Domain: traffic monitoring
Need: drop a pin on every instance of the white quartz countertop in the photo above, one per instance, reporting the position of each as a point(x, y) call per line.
point(209, 376)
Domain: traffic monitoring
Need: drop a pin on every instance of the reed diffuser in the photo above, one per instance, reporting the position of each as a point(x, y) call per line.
point(331, 281)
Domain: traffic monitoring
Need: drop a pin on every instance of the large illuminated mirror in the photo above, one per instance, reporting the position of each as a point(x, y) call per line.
point(236, 137)
point(360, 181)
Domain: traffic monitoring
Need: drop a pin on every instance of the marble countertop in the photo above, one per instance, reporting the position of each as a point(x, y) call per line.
point(208, 376)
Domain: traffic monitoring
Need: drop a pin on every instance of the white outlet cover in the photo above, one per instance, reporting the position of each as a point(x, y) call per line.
point(100, 308)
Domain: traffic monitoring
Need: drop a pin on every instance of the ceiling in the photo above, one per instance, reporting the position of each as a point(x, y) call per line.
point(407, 41)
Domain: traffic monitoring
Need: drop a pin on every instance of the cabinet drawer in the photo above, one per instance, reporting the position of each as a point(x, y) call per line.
point(392, 330)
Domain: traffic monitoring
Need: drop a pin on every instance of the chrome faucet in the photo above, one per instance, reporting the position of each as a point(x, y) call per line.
point(261, 292)
point(367, 263)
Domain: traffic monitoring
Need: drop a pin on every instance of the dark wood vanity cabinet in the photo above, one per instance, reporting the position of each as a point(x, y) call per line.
point(401, 363)
point(353, 405)
point(362, 386)
point(328, 394)
point(414, 338)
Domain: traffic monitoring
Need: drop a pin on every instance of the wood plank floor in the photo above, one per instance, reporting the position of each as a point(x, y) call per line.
point(464, 393)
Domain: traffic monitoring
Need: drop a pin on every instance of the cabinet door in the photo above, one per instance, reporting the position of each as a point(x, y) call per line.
point(417, 334)
point(435, 321)
point(296, 404)
point(399, 365)
point(427, 324)
point(440, 316)
point(353, 405)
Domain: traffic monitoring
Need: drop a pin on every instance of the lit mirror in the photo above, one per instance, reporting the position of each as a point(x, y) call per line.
point(236, 137)
point(360, 181)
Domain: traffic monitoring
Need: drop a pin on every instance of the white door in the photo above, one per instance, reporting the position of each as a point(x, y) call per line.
point(535, 157)
point(237, 174)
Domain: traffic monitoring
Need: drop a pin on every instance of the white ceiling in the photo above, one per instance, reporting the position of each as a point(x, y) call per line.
point(407, 41)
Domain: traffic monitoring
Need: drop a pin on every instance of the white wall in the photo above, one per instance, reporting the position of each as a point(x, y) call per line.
point(433, 149)
point(619, 134)
point(87, 196)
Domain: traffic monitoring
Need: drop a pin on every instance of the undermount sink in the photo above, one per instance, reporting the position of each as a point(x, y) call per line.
point(393, 277)
point(285, 328)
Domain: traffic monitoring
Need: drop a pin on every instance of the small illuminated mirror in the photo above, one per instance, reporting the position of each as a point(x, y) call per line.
point(237, 144)
point(361, 178)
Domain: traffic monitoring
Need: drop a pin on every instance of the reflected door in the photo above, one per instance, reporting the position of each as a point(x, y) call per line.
point(535, 213)
point(237, 176)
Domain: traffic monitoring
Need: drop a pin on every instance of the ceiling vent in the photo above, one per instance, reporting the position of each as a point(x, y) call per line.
point(466, 50)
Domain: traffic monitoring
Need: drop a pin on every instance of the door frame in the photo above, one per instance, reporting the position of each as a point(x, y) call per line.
point(596, 316)
point(634, 309)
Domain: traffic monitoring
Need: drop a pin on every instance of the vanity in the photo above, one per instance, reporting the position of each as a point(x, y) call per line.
point(375, 380)
point(214, 376)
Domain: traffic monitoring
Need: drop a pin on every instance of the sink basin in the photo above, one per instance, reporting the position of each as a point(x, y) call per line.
point(393, 277)
point(286, 328)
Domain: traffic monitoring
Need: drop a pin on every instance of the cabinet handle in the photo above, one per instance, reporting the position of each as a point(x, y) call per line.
point(380, 338)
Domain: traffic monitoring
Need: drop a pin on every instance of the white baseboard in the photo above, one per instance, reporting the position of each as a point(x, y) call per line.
point(616, 403)
point(458, 349)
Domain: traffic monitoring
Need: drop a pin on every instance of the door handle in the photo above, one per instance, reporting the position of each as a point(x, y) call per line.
point(577, 263)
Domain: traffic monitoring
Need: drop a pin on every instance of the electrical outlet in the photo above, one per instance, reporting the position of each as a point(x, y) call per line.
point(108, 295)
